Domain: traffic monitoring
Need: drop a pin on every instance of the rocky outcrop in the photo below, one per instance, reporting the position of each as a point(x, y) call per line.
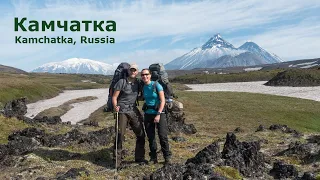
point(189, 171)
point(281, 170)
point(15, 108)
point(285, 129)
point(176, 123)
point(210, 154)
point(29, 139)
point(244, 156)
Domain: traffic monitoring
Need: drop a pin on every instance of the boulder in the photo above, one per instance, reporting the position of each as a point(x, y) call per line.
point(281, 170)
point(210, 154)
point(244, 156)
point(15, 108)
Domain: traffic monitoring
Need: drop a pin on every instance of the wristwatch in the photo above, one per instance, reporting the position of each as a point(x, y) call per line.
point(158, 113)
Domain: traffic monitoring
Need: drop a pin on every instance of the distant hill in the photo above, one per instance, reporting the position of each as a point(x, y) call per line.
point(77, 66)
point(296, 78)
point(9, 69)
point(296, 64)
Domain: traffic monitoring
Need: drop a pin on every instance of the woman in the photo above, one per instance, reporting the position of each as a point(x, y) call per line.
point(154, 116)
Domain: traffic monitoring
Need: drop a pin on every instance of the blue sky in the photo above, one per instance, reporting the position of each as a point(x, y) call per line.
point(159, 31)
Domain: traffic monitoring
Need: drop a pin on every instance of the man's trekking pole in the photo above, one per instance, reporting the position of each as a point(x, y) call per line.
point(117, 127)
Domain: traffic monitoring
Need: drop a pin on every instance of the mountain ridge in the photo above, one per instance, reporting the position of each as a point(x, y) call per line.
point(217, 47)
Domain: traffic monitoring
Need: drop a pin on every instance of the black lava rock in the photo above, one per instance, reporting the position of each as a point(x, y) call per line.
point(72, 173)
point(20, 145)
point(281, 170)
point(189, 171)
point(261, 128)
point(101, 137)
point(48, 120)
point(32, 132)
point(15, 108)
point(173, 171)
point(176, 123)
point(91, 123)
point(74, 136)
point(210, 154)
point(202, 171)
point(178, 139)
point(4, 151)
point(244, 156)
point(301, 150)
point(238, 130)
point(285, 129)
point(308, 176)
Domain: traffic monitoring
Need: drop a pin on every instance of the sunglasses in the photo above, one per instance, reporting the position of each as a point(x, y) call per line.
point(133, 70)
point(145, 74)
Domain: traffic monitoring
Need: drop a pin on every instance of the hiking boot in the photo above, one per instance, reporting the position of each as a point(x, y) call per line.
point(153, 161)
point(167, 161)
point(141, 161)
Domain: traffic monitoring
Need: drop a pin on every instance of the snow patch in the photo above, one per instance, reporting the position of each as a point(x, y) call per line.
point(252, 69)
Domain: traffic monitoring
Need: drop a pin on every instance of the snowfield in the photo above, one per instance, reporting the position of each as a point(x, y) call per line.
point(312, 93)
point(80, 111)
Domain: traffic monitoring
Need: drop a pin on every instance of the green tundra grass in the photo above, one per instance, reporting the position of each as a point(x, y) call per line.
point(213, 114)
point(36, 86)
point(232, 77)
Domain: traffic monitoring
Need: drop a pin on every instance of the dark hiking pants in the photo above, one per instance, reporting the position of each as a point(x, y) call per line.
point(162, 133)
point(135, 120)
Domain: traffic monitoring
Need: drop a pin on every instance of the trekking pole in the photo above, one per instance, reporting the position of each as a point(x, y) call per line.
point(117, 127)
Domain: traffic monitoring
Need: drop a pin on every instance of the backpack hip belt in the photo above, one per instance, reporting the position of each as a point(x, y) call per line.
point(146, 107)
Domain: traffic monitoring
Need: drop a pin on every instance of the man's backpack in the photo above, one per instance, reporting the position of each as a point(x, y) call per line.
point(122, 72)
point(159, 74)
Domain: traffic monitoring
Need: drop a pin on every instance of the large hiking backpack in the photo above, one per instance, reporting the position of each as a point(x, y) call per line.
point(122, 72)
point(159, 74)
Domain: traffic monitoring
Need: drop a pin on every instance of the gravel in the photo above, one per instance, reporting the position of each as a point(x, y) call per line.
point(80, 111)
point(312, 93)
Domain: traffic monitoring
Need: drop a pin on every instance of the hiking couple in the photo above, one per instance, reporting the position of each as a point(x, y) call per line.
point(124, 98)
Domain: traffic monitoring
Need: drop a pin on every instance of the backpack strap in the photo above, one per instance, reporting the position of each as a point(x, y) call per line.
point(155, 87)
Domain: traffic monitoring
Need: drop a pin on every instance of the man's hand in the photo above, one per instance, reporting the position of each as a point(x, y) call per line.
point(117, 108)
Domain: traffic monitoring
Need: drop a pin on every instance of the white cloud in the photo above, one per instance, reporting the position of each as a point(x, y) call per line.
point(146, 20)
point(290, 42)
point(177, 39)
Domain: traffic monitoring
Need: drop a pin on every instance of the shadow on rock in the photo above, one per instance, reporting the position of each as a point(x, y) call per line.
point(101, 157)
point(56, 154)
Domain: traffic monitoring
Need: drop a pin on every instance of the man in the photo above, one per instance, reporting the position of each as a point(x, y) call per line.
point(124, 101)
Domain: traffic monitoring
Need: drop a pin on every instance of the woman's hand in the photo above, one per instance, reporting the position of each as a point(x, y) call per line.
point(157, 119)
